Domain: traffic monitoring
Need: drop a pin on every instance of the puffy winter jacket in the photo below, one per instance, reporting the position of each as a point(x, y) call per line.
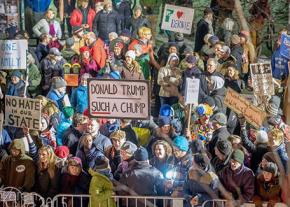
point(76, 18)
point(79, 99)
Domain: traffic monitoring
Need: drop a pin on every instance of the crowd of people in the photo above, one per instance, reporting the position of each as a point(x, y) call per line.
point(206, 153)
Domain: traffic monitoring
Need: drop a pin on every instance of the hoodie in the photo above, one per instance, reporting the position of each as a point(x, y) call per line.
point(18, 171)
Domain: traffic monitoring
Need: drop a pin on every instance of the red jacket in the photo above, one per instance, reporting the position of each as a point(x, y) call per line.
point(76, 18)
point(99, 53)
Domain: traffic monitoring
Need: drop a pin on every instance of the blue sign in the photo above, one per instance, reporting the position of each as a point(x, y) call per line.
point(285, 46)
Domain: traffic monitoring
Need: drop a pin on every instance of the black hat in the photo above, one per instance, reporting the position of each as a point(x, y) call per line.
point(224, 146)
point(271, 168)
point(141, 154)
point(201, 161)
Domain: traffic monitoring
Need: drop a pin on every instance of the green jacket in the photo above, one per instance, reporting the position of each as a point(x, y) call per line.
point(34, 79)
point(101, 190)
point(18, 171)
point(145, 66)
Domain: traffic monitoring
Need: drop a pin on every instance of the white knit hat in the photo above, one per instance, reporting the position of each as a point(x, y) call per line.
point(131, 54)
point(262, 137)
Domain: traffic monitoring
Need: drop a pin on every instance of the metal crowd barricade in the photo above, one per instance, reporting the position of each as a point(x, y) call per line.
point(214, 203)
point(10, 197)
point(64, 200)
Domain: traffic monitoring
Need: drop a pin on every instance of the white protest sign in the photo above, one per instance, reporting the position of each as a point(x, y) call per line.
point(119, 99)
point(191, 91)
point(13, 54)
point(262, 79)
point(22, 112)
point(177, 19)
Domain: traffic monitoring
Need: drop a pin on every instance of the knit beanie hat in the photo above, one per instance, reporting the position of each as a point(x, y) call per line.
point(213, 40)
point(141, 154)
point(58, 82)
point(271, 168)
point(16, 73)
point(129, 147)
point(262, 137)
point(166, 110)
point(220, 118)
point(68, 111)
point(238, 156)
point(126, 33)
point(101, 162)
point(75, 161)
point(181, 143)
point(163, 120)
point(131, 54)
point(191, 59)
point(84, 49)
point(224, 146)
point(118, 135)
point(61, 152)
point(273, 106)
point(69, 42)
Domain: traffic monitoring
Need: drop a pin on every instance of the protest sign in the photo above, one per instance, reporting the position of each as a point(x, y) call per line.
point(240, 105)
point(285, 46)
point(13, 54)
point(191, 91)
point(262, 79)
point(71, 79)
point(177, 19)
point(119, 99)
point(22, 112)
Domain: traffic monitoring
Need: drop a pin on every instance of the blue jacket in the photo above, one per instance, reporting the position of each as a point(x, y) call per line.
point(5, 139)
point(279, 64)
point(61, 128)
point(56, 97)
point(16, 89)
point(79, 99)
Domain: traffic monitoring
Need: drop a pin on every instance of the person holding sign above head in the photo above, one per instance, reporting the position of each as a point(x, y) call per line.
point(16, 86)
point(169, 75)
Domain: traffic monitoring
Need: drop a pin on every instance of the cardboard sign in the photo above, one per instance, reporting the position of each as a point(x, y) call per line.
point(285, 46)
point(71, 79)
point(177, 19)
point(13, 54)
point(119, 99)
point(191, 91)
point(22, 112)
point(262, 79)
point(240, 105)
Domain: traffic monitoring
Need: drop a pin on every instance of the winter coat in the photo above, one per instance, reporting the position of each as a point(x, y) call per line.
point(90, 67)
point(18, 172)
point(43, 27)
point(115, 159)
point(218, 96)
point(56, 97)
point(163, 165)
point(125, 13)
point(48, 185)
point(60, 129)
point(218, 165)
point(76, 18)
point(79, 99)
point(123, 167)
point(89, 157)
point(5, 140)
point(175, 79)
point(69, 54)
point(132, 72)
point(34, 79)
point(237, 52)
point(71, 184)
point(241, 183)
point(105, 23)
point(41, 51)
point(258, 150)
point(71, 139)
point(101, 190)
point(16, 89)
point(99, 53)
point(136, 24)
point(282, 153)
point(249, 56)
point(268, 191)
point(219, 134)
point(280, 67)
point(233, 84)
point(49, 70)
point(202, 29)
point(142, 174)
point(203, 184)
